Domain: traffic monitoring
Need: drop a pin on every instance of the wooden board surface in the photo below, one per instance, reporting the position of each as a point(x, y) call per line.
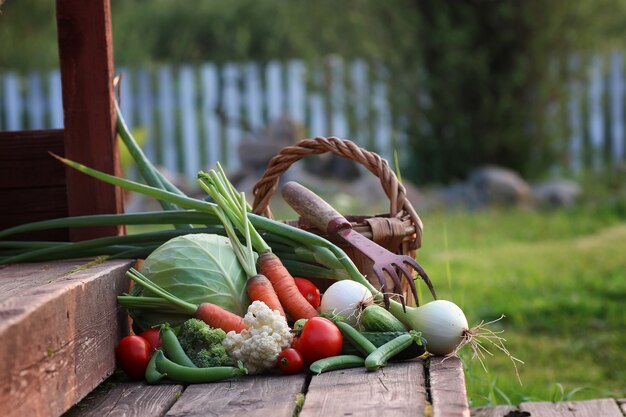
point(129, 399)
point(399, 389)
point(447, 387)
point(60, 336)
point(496, 411)
point(260, 396)
point(32, 183)
point(591, 408)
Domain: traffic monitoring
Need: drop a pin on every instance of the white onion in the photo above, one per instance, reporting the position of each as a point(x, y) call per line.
point(344, 298)
point(443, 325)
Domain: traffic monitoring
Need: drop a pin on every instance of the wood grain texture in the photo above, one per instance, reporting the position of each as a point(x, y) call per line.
point(396, 390)
point(267, 395)
point(591, 408)
point(25, 162)
point(16, 279)
point(32, 183)
point(496, 411)
point(447, 387)
point(128, 399)
point(60, 337)
point(86, 62)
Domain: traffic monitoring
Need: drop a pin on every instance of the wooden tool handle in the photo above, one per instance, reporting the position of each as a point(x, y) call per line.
point(313, 208)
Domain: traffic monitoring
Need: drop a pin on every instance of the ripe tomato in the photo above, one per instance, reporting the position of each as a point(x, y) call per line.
point(152, 336)
point(319, 339)
point(290, 361)
point(309, 291)
point(133, 355)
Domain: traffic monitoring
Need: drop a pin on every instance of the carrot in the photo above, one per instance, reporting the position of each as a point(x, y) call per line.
point(217, 317)
point(260, 288)
point(294, 303)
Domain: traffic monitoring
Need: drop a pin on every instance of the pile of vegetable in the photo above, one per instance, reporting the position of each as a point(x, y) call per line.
point(224, 292)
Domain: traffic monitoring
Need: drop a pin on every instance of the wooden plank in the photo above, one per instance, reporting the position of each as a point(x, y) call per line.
point(360, 102)
point(606, 407)
point(616, 92)
point(253, 97)
point(273, 395)
point(274, 94)
point(447, 387)
point(496, 411)
point(399, 388)
point(622, 404)
point(166, 145)
point(337, 93)
point(296, 90)
point(212, 126)
point(55, 99)
point(86, 62)
point(231, 97)
point(17, 278)
point(596, 117)
point(13, 103)
point(32, 183)
point(25, 161)
point(127, 399)
point(35, 108)
point(189, 123)
point(60, 337)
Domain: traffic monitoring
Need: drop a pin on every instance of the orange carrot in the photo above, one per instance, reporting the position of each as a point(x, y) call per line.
point(260, 288)
point(285, 287)
point(217, 317)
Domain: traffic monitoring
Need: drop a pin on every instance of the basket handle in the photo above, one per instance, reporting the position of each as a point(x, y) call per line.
point(399, 204)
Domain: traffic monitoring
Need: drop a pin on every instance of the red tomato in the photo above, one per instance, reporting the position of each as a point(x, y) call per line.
point(290, 361)
point(152, 336)
point(309, 291)
point(133, 355)
point(319, 339)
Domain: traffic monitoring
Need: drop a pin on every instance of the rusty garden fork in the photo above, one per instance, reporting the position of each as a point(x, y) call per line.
point(323, 216)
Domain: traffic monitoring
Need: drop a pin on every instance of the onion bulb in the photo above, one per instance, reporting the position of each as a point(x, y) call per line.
point(345, 298)
point(442, 323)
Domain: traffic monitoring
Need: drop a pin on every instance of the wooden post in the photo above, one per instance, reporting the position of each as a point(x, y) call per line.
point(86, 57)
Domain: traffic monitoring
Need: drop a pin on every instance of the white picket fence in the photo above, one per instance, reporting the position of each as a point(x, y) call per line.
point(193, 116)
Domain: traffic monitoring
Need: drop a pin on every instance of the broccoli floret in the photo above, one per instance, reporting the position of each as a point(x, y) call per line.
point(203, 344)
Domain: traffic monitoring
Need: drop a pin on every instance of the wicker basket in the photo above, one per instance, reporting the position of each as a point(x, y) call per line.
point(399, 231)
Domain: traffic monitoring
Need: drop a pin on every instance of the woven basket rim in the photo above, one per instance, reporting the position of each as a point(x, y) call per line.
point(400, 207)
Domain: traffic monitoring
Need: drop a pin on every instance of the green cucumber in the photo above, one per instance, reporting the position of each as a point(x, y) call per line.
point(380, 338)
point(375, 318)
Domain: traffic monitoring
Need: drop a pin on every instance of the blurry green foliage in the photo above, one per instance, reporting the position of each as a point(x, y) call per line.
point(472, 82)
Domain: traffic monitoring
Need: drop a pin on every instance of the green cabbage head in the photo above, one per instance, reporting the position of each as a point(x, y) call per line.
point(197, 268)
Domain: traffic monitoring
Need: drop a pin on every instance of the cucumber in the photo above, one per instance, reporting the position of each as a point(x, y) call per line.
point(377, 319)
point(380, 338)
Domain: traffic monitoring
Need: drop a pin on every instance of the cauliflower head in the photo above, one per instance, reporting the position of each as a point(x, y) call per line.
point(259, 345)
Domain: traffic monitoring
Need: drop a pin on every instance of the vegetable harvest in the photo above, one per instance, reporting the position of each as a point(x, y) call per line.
point(224, 293)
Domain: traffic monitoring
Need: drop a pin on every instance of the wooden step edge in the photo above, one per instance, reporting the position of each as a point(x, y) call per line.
point(60, 337)
point(446, 383)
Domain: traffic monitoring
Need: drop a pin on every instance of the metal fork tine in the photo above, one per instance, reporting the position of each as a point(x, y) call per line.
point(383, 282)
point(411, 280)
point(420, 271)
point(397, 285)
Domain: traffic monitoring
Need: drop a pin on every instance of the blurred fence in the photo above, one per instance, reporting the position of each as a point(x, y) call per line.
point(192, 116)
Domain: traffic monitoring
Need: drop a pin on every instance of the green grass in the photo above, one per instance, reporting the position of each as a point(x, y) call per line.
point(560, 280)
